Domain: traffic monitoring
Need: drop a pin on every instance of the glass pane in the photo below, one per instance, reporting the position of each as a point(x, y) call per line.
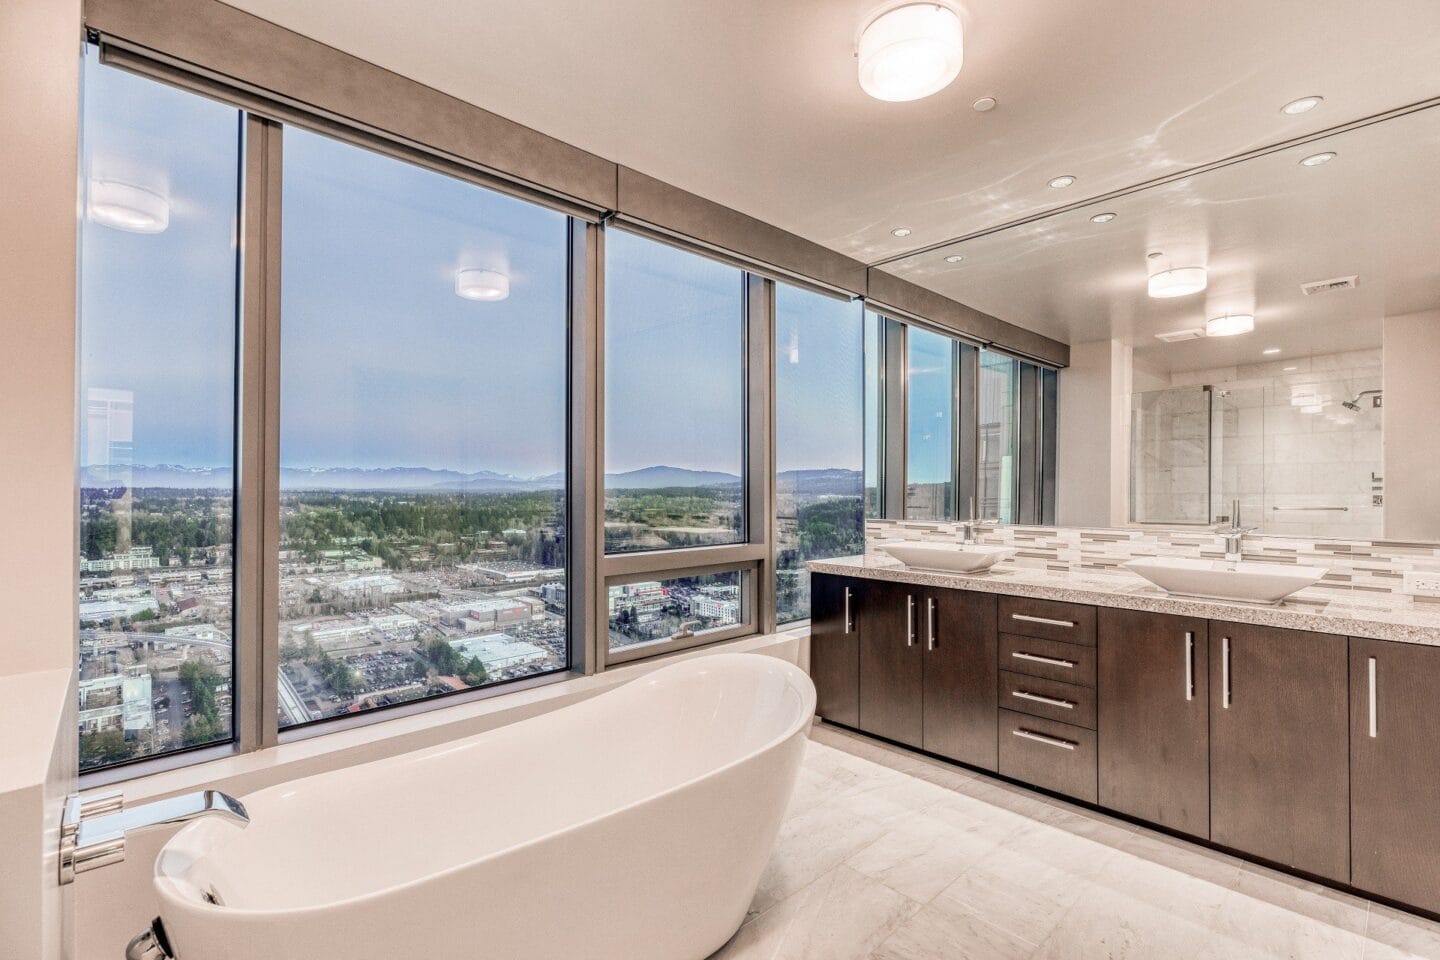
point(874, 404)
point(1170, 448)
point(655, 611)
point(157, 421)
point(819, 439)
point(929, 490)
point(999, 437)
point(674, 397)
point(423, 434)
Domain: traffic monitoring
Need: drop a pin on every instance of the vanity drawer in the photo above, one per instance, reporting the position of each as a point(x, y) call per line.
point(1051, 659)
point(1048, 619)
point(1039, 697)
point(1055, 756)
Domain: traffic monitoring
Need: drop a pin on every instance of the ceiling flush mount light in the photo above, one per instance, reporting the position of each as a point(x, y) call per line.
point(1317, 159)
point(489, 286)
point(1231, 325)
point(1180, 282)
point(127, 207)
point(954, 258)
point(1102, 218)
point(1304, 105)
point(1060, 183)
point(910, 51)
point(900, 232)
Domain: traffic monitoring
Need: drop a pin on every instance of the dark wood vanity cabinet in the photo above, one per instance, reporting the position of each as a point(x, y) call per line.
point(960, 676)
point(1395, 770)
point(835, 648)
point(892, 663)
point(1279, 746)
point(1153, 718)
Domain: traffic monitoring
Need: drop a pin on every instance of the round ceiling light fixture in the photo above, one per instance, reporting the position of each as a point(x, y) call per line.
point(1060, 183)
point(489, 286)
point(910, 51)
point(124, 206)
point(1317, 159)
point(1102, 218)
point(954, 258)
point(1304, 105)
point(1179, 282)
point(1230, 325)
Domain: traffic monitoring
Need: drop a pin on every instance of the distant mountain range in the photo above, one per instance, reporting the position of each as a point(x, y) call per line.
point(418, 479)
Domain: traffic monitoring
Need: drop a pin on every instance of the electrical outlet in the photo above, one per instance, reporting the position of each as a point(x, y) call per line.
point(1422, 583)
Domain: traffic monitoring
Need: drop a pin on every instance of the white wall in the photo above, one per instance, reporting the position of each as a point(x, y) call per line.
point(1411, 373)
point(1093, 473)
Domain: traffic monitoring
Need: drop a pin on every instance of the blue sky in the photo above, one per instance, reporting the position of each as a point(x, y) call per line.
point(382, 363)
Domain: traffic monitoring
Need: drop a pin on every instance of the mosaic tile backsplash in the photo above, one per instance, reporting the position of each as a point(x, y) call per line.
point(1374, 566)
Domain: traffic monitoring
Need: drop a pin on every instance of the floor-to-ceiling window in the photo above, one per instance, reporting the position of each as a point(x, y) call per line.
point(997, 494)
point(157, 333)
point(819, 438)
point(931, 424)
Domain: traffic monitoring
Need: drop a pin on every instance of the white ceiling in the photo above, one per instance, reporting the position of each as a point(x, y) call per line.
point(755, 104)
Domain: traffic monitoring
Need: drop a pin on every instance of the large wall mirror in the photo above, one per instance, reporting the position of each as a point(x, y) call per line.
point(1301, 381)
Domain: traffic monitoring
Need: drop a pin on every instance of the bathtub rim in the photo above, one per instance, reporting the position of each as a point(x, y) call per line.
point(165, 884)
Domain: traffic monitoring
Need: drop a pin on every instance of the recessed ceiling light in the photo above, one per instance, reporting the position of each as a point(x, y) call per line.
point(954, 258)
point(1102, 218)
point(1304, 105)
point(1270, 351)
point(1059, 183)
point(1229, 326)
point(1179, 282)
point(1316, 159)
point(127, 207)
point(1290, 369)
point(910, 51)
point(900, 232)
point(984, 104)
point(488, 285)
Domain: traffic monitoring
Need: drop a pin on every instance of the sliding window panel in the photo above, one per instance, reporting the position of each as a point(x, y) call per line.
point(930, 426)
point(675, 398)
point(999, 438)
point(819, 439)
point(423, 434)
point(159, 320)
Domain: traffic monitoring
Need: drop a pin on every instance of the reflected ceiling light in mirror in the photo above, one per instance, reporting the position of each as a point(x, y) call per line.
point(1102, 218)
point(1304, 105)
point(1317, 159)
point(793, 351)
point(954, 258)
point(124, 206)
point(489, 286)
point(1312, 408)
point(900, 232)
point(909, 51)
point(1179, 282)
point(984, 104)
point(1061, 182)
point(1230, 325)
point(1270, 351)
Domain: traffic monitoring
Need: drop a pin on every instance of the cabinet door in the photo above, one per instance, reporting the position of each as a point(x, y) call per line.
point(1154, 721)
point(1394, 770)
point(1279, 746)
point(891, 663)
point(958, 630)
point(835, 648)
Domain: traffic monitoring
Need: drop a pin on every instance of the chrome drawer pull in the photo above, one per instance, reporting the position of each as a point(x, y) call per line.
point(847, 611)
point(1051, 701)
point(1189, 665)
point(930, 621)
point(910, 620)
point(1045, 620)
point(1374, 712)
point(1225, 673)
point(1042, 738)
point(1052, 661)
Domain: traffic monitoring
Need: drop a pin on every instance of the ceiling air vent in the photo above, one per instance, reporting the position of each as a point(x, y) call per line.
point(1325, 286)
point(1175, 336)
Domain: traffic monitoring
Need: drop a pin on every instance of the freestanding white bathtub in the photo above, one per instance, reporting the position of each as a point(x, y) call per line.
point(633, 826)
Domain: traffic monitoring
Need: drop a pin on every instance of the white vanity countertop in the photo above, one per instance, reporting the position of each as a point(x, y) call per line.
point(1324, 609)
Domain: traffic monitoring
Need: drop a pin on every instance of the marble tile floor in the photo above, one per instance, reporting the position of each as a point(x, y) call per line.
point(886, 855)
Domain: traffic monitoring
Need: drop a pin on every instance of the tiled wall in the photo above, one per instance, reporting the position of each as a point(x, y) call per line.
point(1366, 565)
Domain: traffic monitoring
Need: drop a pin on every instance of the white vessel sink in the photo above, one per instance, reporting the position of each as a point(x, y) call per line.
point(1226, 580)
point(947, 557)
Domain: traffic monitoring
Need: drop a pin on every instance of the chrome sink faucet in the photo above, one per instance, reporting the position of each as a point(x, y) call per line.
point(969, 524)
point(1234, 535)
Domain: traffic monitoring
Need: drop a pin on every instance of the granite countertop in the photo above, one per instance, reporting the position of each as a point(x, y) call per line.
point(1356, 613)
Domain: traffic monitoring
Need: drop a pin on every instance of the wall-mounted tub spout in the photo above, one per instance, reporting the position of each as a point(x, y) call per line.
point(150, 945)
point(92, 832)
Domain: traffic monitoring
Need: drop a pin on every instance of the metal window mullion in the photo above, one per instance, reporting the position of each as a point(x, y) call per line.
point(896, 417)
point(1027, 472)
point(967, 419)
point(760, 523)
point(651, 564)
point(585, 496)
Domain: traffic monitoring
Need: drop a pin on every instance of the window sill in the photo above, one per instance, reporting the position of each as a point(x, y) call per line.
point(241, 773)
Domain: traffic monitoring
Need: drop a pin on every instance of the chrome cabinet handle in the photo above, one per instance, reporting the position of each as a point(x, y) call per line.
point(1053, 661)
point(910, 620)
point(930, 620)
point(1225, 672)
point(847, 611)
point(1045, 620)
point(1189, 665)
point(1374, 714)
point(1051, 701)
point(1047, 740)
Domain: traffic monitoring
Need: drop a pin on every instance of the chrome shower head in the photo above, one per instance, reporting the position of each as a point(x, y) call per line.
point(1351, 405)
